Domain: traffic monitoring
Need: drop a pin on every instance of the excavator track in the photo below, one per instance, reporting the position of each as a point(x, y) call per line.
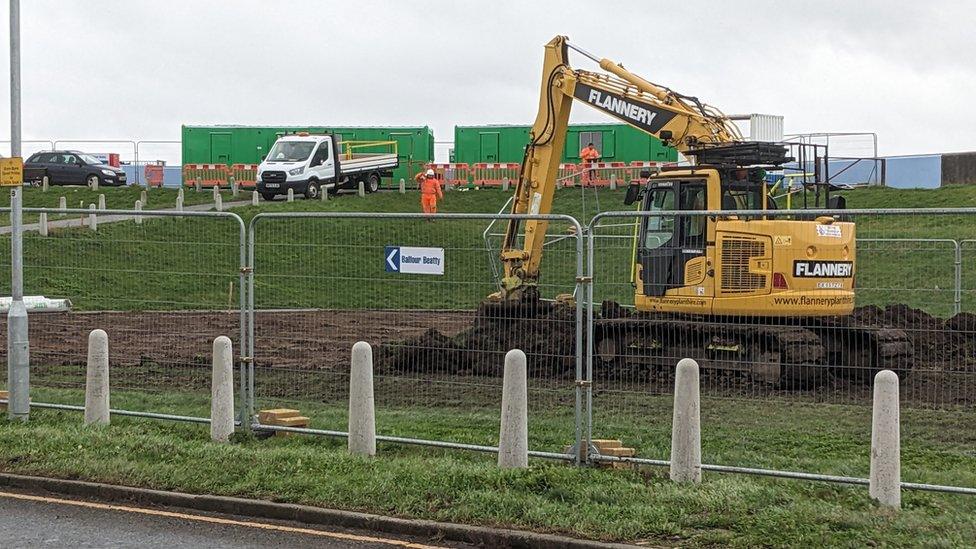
point(769, 351)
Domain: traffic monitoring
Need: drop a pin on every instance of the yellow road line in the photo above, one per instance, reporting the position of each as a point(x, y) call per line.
point(215, 520)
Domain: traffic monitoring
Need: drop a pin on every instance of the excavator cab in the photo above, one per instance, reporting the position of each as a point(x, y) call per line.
point(668, 242)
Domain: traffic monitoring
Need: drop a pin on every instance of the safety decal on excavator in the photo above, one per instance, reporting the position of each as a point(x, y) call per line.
point(832, 231)
point(637, 113)
point(823, 269)
point(783, 240)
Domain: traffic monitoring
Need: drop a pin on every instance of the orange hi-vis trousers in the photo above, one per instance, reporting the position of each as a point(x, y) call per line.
point(429, 203)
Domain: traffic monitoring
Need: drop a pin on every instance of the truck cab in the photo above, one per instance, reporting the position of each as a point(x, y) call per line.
point(307, 164)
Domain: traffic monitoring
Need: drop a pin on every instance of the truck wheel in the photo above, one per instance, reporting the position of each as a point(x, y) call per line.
point(373, 183)
point(312, 189)
point(268, 196)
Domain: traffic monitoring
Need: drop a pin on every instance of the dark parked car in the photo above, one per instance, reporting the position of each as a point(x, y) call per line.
point(71, 168)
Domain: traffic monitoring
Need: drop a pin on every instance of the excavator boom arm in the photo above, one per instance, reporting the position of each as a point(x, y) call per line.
point(676, 119)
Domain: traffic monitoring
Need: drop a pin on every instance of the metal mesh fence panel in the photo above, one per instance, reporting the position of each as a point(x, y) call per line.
point(413, 288)
point(763, 302)
point(163, 289)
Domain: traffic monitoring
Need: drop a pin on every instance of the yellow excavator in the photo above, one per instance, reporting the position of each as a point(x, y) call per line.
point(769, 296)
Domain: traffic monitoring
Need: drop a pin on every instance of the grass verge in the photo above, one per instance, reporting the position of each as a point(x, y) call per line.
point(623, 505)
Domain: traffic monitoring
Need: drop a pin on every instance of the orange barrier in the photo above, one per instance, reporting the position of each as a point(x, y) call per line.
point(455, 174)
point(567, 174)
point(491, 174)
point(637, 166)
point(600, 172)
point(245, 175)
point(153, 174)
point(209, 175)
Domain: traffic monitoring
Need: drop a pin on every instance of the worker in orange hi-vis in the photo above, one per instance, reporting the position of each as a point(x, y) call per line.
point(588, 155)
point(430, 191)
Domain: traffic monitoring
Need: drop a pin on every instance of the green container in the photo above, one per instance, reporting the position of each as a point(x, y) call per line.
point(250, 144)
point(616, 143)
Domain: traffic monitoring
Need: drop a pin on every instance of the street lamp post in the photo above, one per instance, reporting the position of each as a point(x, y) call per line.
point(18, 350)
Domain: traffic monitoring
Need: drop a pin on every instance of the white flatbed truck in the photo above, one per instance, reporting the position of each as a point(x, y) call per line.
point(310, 164)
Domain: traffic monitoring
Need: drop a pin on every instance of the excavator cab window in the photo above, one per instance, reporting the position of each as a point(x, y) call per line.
point(669, 241)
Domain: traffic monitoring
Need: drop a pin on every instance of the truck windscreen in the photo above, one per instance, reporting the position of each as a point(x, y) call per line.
point(290, 151)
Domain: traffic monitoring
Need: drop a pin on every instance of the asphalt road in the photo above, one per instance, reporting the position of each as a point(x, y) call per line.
point(28, 520)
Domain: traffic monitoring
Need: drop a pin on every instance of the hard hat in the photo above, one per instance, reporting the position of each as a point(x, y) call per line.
point(430, 173)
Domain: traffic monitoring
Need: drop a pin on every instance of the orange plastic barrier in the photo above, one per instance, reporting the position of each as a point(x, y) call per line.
point(637, 166)
point(568, 174)
point(455, 174)
point(491, 174)
point(209, 175)
point(153, 174)
point(600, 172)
point(245, 175)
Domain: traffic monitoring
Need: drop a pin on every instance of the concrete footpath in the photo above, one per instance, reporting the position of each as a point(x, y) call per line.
point(55, 512)
point(81, 220)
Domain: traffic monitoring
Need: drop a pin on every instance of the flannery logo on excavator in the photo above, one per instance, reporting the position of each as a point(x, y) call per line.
point(823, 269)
point(633, 112)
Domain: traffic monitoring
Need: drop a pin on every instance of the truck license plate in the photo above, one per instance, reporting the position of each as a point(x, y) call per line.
point(272, 185)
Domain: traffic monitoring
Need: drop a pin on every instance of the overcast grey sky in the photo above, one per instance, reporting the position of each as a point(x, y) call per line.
point(140, 69)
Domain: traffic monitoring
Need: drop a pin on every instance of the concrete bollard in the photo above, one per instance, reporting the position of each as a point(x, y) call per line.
point(686, 424)
point(505, 184)
point(513, 438)
point(62, 203)
point(138, 209)
point(42, 224)
point(403, 186)
point(92, 218)
point(179, 193)
point(448, 186)
point(233, 187)
point(885, 481)
point(362, 189)
point(45, 183)
point(362, 418)
point(101, 202)
point(144, 197)
point(219, 203)
point(197, 186)
point(254, 198)
point(324, 194)
point(222, 391)
point(215, 192)
point(291, 195)
point(96, 380)
point(179, 203)
point(613, 182)
point(94, 185)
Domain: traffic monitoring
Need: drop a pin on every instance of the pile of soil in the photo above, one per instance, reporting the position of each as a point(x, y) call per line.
point(939, 344)
point(547, 337)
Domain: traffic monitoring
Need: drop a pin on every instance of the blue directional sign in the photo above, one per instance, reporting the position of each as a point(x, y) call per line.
point(413, 260)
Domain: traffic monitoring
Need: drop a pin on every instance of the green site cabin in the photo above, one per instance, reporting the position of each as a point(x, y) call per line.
point(250, 144)
point(506, 143)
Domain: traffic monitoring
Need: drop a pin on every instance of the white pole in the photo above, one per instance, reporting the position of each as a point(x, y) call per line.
point(362, 189)
point(218, 203)
point(885, 481)
point(291, 195)
point(92, 218)
point(222, 391)
point(96, 380)
point(18, 349)
point(101, 202)
point(686, 424)
point(62, 203)
point(179, 203)
point(513, 439)
point(362, 415)
point(138, 209)
point(45, 183)
point(144, 197)
point(42, 224)
point(403, 186)
point(254, 198)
